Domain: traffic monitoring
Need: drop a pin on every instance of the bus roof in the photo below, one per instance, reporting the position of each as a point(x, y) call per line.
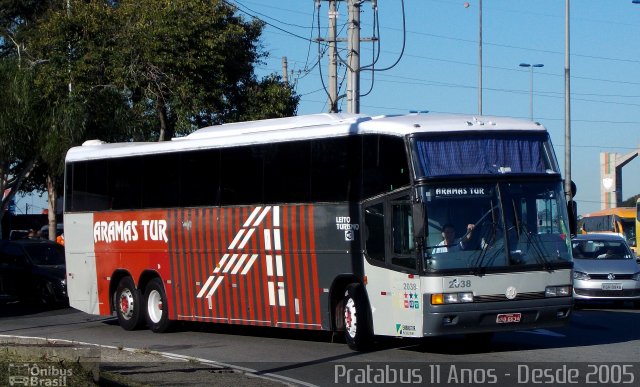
point(323, 125)
point(623, 212)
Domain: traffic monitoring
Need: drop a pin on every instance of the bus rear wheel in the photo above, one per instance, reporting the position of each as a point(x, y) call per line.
point(357, 327)
point(127, 302)
point(156, 307)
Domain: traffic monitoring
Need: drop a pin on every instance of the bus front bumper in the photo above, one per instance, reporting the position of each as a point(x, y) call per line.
point(496, 316)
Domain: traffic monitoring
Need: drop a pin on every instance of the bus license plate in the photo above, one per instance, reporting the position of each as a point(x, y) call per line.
point(504, 318)
point(612, 286)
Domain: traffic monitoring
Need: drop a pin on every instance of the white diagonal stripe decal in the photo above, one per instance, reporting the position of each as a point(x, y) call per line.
point(221, 263)
point(215, 286)
point(239, 264)
point(246, 238)
point(236, 239)
point(235, 261)
point(250, 218)
point(231, 261)
point(204, 288)
point(251, 261)
point(262, 215)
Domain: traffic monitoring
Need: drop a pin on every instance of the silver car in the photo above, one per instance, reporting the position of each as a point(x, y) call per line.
point(605, 269)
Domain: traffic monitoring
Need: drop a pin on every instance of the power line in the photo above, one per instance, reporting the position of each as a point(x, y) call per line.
point(237, 7)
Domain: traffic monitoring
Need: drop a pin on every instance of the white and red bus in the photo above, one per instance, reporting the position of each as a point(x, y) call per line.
point(329, 222)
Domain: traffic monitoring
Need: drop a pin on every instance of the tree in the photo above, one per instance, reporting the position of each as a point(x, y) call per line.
point(180, 65)
point(140, 70)
point(630, 202)
point(21, 126)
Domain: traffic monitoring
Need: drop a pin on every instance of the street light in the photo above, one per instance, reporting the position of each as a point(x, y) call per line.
point(531, 66)
point(466, 5)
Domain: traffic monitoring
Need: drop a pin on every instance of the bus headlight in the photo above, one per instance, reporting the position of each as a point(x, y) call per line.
point(451, 298)
point(557, 291)
point(636, 276)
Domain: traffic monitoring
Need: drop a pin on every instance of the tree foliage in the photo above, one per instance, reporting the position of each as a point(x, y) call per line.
point(630, 202)
point(127, 70)
point(179, 65)
point(21, 125)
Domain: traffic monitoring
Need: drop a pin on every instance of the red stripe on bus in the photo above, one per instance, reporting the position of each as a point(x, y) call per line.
point(308, 296)
point(304, 272)
point(261, 275)
point(314, 286)
point(231, 306)
point(294, 263)
point(292, 268)
point(242, 280)
point(201, 262)
point(182, 266)
point(254, 276)
point(172, 297)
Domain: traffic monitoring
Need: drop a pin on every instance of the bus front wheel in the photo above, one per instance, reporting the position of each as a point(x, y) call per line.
point(128, 304)
point(156, 307)
point(357, 327)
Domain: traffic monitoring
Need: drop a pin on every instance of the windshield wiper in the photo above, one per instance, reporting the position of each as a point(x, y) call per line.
point(485, 243)
point(538, 249)
point(521, 228)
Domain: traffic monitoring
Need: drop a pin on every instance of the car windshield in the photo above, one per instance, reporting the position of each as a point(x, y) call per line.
point(600, 249)
point(49, 254)
point(475, 227)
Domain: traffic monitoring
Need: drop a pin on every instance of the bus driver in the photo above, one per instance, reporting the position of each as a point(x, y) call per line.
point(448, 243)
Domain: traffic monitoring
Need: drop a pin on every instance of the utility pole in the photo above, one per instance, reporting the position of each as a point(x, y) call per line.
point(353, 79)
point(353, 41)
point(480, 58)
point(333, 58)
point(285, 70)
point(567, 106)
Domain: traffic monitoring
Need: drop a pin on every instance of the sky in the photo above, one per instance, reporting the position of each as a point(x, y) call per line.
point(438, 69)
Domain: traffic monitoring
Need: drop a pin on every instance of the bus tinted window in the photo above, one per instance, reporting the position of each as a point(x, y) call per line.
point(321, 170)
point(286, 172)
point(384, 165)
point(374, 232)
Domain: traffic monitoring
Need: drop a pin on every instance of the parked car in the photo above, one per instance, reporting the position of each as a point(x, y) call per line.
point(44, 230)
point(18, 234)
point(605, 269)
point(33, 270)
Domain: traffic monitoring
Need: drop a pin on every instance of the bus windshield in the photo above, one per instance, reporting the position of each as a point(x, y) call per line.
point(484, 227)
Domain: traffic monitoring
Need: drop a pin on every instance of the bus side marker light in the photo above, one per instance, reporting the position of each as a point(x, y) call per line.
point(365, 280)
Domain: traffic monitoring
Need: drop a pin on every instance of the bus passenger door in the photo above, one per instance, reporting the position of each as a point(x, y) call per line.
point(393, 284)
point(404, 278)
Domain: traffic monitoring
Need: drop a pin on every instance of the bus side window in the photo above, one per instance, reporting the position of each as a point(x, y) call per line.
point(403, 243)
point(374, 227)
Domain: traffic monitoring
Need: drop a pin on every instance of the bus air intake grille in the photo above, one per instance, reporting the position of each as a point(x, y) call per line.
point(502, 297)
point(608, 293)
point(606, 276)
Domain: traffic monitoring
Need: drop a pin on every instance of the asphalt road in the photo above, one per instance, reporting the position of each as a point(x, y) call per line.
point(599, 340)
